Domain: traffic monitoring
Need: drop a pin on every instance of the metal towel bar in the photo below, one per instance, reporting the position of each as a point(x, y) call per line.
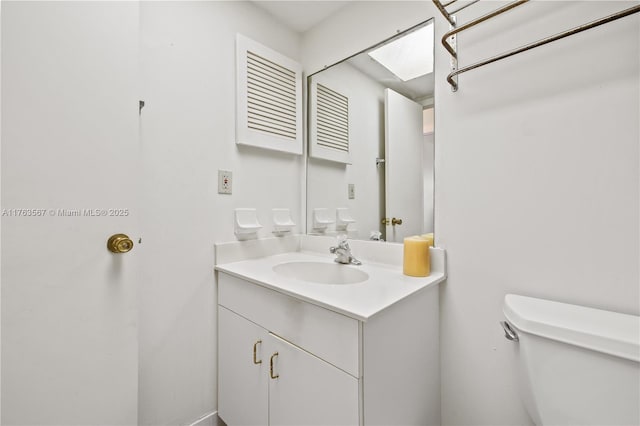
point(477, 21)
point(451, 46)
point(464, 7)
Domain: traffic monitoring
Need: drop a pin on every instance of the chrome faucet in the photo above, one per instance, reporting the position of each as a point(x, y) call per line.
point(343, 253)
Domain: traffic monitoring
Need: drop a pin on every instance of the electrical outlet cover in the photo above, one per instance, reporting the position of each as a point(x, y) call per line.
point(224, 182)
point(352, 191)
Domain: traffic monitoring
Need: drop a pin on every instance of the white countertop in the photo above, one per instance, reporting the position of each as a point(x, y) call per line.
point(385, 286)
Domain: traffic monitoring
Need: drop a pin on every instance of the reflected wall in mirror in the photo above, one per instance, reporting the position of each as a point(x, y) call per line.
point(371, 141)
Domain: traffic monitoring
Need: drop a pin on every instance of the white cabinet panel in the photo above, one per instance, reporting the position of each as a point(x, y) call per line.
point(308, 391)
point(242, 384)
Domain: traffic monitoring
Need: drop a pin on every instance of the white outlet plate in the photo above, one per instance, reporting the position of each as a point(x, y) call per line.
point(352, 191)
point(225, 181)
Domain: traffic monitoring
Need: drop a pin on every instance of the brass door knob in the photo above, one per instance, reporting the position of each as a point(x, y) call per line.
point(395, 221)
point(385, 221)
point(119, 243)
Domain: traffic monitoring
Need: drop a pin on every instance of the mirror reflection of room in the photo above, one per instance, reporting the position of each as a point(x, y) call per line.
point(372, 140)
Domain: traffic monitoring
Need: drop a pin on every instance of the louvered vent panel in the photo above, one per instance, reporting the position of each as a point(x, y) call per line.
point(332, 119)
point(271, 97)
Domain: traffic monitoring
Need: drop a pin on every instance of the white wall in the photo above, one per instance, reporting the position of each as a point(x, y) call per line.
point(428, 160)
point(539, 191)
point(0, 222)
point(188, 133)
point(537, 184)
point(328, 181)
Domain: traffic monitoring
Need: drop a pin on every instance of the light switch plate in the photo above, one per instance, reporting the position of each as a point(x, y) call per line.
point(224, 182)
point(352, 191)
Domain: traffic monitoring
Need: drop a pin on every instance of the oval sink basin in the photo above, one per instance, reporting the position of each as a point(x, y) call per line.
point(321, 272)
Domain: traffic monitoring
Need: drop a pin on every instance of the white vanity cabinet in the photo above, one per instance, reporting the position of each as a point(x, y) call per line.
point(281, 384)
point(284, 361)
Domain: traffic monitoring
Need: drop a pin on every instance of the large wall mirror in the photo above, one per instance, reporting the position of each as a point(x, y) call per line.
point(371, 141)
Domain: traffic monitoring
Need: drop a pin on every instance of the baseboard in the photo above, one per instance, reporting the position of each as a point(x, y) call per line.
point(210, 419)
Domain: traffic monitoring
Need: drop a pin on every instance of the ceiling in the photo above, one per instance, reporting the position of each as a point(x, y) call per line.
point(417, 89)
point(301, 16)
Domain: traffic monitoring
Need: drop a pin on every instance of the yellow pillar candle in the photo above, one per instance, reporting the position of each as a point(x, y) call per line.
point(416, 257)
point(428, 237)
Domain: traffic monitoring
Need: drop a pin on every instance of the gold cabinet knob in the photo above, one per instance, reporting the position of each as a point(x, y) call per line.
point(395, 221)
point(119, 243)
point(385, 221)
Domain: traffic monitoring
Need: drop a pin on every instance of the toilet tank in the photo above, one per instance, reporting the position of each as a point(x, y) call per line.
point(577, 365)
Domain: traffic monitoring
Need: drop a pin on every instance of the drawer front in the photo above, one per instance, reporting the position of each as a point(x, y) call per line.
point(328, 335)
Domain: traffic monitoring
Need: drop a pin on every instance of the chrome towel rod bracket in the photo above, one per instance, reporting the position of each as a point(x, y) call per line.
point(450, 43)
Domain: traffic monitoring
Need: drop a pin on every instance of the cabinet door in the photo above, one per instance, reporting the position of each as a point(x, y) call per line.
point(309, 391)
point(242, 378)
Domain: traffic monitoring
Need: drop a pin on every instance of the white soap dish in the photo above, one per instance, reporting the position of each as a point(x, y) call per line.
point(343, 218)
point(282, 222)
point(321, 219)
point(246, 223)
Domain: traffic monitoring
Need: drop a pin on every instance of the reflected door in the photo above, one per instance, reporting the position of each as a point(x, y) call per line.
point(404, 193)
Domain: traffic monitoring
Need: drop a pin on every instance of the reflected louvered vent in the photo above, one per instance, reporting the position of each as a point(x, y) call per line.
point(332, 119)
point(271, 97)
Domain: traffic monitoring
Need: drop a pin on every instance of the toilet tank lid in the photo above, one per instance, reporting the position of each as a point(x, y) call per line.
point(604, 331)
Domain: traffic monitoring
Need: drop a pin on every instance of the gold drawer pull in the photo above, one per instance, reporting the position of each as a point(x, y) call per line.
point(271, 366)
point(255, 350)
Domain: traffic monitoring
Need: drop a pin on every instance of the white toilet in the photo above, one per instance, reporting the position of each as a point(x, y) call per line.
point(578, 365)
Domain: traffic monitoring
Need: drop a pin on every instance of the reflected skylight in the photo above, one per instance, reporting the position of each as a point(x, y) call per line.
point(408, 57)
